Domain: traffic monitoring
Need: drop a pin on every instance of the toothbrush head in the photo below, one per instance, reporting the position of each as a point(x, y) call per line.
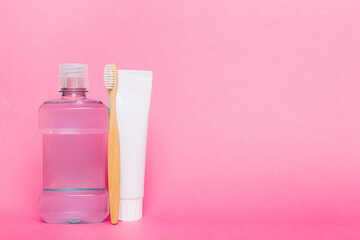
point(110, 76)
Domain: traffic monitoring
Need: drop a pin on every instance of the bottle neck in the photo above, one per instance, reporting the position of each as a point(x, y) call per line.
point(73, 92)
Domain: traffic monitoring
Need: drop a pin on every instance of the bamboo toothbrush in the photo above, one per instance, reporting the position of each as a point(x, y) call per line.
point(111, 83)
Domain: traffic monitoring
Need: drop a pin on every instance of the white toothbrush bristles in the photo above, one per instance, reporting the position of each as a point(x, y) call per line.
point(110, 76)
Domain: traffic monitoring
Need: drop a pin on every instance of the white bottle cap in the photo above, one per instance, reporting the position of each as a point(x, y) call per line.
point(73, 75)
point(130, 210)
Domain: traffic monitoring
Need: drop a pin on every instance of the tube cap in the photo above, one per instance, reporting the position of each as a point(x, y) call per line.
point(130, 210)
point(73, 75)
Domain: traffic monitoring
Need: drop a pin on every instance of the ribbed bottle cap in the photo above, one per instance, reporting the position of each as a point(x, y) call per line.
point(73, 75)
point(130, 210)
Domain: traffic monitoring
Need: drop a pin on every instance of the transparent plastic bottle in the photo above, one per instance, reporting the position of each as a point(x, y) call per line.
point(74, 152)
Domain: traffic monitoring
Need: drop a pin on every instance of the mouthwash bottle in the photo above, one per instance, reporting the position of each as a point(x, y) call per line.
point(74, 130)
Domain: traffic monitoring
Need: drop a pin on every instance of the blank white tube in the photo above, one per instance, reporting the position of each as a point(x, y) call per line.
point(132, 103)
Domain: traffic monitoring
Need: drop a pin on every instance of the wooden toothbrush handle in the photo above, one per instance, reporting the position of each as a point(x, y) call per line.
point(113, 161)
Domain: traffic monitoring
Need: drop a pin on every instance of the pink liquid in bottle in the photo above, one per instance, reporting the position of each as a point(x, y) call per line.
point(74, 152)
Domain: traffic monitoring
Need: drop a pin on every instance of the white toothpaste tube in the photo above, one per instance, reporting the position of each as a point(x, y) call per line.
point(132, 107)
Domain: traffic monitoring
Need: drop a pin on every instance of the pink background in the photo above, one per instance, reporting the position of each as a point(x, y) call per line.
point(254, 129)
